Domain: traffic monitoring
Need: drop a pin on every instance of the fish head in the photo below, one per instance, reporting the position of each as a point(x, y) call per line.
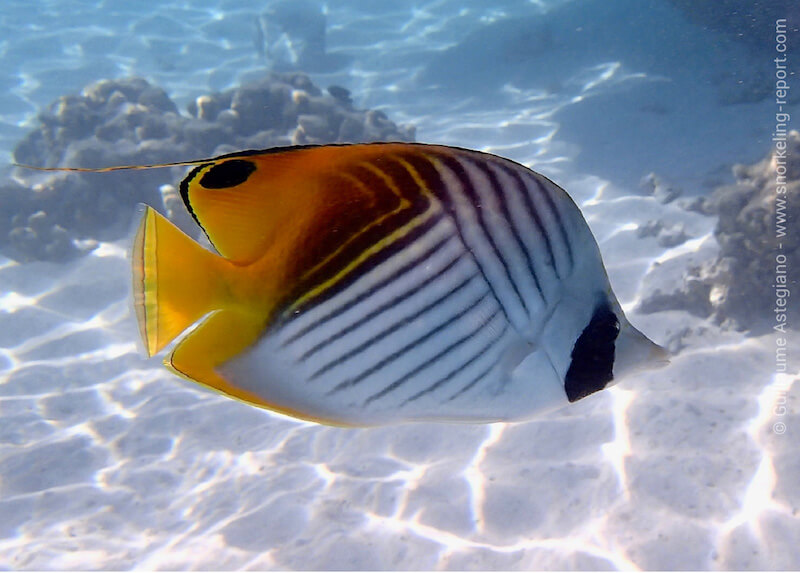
point(608, 349)
point(590, 342)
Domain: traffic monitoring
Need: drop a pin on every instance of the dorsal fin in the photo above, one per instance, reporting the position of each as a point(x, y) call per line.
point(250, 201)
point(238, 201)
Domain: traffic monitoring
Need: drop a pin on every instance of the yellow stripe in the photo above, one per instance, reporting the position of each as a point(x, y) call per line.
point(415, 175)
point(404, 203)
point(360, 184)
point(388, 240)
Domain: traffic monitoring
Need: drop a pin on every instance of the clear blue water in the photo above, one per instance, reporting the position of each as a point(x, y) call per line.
point(108, 461)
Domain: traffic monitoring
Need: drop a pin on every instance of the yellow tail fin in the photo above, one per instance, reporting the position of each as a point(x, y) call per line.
point(175, 281)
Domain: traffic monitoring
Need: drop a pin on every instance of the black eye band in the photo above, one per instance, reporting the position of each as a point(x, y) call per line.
point(593, 355)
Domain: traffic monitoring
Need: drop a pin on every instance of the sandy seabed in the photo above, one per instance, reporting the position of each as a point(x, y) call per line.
point(109, 462)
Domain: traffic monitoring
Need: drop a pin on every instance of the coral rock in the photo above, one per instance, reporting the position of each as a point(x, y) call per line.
point(132, 122)
point(737, 288)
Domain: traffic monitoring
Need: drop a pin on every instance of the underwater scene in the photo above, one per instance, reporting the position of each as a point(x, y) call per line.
point(552, 325)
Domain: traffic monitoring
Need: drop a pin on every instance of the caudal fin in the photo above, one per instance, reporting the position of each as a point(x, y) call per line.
point(175, 281)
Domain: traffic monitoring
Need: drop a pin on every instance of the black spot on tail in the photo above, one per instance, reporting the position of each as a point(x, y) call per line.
point(593, 355)
point(227, 174)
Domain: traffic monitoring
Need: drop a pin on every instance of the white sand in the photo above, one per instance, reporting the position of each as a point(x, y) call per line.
point(108, 461)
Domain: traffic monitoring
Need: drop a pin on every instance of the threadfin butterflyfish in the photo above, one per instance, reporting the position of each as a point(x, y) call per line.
point(369, 284)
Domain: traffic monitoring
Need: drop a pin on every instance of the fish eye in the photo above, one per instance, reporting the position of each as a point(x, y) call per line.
point(592, 362)
point(227, 174)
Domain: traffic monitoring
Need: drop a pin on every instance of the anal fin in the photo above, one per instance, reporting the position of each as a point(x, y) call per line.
point(221, 337)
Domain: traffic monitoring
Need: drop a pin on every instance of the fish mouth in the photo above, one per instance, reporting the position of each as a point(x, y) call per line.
point(659, 357)
point(636, 353)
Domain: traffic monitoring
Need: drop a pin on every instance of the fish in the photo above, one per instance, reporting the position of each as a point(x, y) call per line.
point(383, 283)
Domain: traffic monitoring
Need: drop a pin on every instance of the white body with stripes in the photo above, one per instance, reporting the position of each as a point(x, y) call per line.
point(476, 320)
